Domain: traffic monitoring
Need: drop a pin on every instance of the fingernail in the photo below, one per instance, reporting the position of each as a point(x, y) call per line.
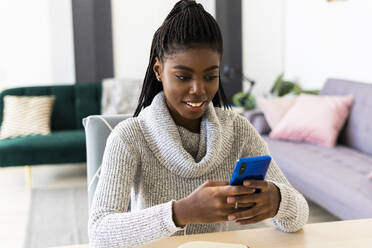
point(231, 200)
point(231, 217)
point(247, 183)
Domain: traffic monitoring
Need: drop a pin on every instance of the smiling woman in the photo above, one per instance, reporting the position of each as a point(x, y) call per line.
point(176, 37)
point(190, 80)
point(172, 161)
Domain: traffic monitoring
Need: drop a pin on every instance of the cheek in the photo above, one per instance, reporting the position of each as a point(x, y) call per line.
point(174, 93)
point(212, 90)
point(174, 89)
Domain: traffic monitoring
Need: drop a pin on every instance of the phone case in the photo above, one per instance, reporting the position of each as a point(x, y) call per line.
point(250, 168)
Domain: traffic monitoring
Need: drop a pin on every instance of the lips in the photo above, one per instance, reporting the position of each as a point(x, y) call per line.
point(195, 106)
point(195, 101)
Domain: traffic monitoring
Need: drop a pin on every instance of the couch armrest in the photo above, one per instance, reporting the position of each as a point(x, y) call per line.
point(97, 130)
point(258, 120)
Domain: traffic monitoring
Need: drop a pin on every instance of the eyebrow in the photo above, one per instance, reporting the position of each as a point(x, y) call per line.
point(213, 67)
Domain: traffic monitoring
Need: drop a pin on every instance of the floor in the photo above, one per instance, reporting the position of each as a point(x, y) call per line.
point(15, 197)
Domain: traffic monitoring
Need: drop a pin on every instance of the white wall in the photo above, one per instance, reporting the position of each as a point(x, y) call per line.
point(36, 42)
point(263, 34)
point(134, 24)
point(308, 40)
point(61, 42)
point(329, 40)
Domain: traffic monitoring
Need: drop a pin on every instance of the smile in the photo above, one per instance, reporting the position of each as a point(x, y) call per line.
point(194, 104)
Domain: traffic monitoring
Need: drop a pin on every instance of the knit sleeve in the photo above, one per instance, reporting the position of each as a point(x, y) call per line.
point(293, 210)
point(110, 223)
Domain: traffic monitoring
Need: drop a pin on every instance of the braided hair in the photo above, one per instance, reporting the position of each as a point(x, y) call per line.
point(187, 26)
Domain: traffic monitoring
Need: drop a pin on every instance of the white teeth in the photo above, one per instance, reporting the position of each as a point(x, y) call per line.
point(195, 104)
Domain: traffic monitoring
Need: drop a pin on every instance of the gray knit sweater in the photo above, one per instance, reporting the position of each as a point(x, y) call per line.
point(149, 162)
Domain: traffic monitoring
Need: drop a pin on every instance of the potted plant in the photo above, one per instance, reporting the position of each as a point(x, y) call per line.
point(283, 87)
point(244, 100)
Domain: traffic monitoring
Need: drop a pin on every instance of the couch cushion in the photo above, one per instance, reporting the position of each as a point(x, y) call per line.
point(314, 119)
point(357, 132)
point(335, 178)
point(275, 108)
point(26, 115)
point(58, 147)
point(63, 117)
point(88, 101)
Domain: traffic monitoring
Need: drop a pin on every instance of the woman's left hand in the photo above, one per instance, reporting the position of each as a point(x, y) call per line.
point(255, 207)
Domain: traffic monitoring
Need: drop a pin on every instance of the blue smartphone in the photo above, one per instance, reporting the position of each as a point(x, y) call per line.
point(250, 168)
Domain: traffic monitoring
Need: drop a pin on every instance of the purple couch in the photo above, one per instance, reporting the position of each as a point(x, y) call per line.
point(335, 178)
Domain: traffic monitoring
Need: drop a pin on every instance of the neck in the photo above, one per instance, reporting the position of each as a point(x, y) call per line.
point(191, 125)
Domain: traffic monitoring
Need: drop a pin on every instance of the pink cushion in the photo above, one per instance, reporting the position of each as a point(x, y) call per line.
point(275, 108)
point(314, 119)
point(370, 176)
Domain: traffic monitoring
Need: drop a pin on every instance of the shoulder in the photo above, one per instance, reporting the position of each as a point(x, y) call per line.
point(230, 116)
point(244, 131)
point(128, 131)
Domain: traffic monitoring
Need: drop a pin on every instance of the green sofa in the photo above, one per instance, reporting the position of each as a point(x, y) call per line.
point(66, 143)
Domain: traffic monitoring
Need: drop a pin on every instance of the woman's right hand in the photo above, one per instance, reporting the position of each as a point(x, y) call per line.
point(208, 204)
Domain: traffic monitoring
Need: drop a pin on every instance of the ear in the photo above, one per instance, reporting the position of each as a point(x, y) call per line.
point(158, 68)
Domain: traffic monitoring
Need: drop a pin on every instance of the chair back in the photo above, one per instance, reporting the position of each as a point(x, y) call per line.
point(97, 130)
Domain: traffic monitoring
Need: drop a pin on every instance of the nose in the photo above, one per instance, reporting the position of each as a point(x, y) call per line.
point(197, 88)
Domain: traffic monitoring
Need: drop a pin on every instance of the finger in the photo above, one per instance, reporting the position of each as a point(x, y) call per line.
point(247, 213)
point(252, 220)
point(235, 190)
point(246, 198)
point(211, 183)
point(252, 198)
point(242, 206)
point(257, 184)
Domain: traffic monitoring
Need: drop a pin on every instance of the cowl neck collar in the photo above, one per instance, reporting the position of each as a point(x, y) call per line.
point(163, 138)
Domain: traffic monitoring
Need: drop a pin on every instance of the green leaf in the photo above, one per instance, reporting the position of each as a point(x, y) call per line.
point(313, 92)
point(236, 99)
point(285, 88)
point(250, 103)
point(277, 83)
point(241, 99)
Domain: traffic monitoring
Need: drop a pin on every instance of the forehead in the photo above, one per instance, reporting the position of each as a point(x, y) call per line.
point(193, 57)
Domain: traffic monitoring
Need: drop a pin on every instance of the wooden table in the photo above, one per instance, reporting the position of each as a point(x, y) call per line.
point(339, 234)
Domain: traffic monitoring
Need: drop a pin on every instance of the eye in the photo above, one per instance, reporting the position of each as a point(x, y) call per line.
point(183, 78)
point(211, 77)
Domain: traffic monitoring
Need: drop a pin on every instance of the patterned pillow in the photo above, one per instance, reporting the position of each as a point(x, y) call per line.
point(26, 115)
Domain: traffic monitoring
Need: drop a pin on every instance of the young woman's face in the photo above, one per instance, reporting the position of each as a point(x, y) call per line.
point(190, 80)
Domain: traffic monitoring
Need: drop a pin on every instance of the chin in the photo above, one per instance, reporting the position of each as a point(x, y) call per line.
point(193, 116)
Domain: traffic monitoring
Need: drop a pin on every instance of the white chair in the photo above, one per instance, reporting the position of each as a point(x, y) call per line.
point(97, 130)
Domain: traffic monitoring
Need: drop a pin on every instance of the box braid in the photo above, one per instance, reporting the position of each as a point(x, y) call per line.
point(187, 25)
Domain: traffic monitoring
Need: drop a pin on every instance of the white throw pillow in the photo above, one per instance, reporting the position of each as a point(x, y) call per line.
point(120, 96)
point(275, 108)
point(26, 115)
